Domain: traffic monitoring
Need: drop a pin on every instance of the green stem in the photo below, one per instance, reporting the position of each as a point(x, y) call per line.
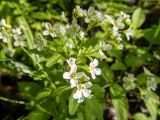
point(41, 68)
point(12, 101)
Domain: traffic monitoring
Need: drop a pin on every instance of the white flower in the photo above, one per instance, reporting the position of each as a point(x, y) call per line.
point(125, 17)
point(61, 30)
point(72, 75)
point(49, 30)
point(129, 82)
point(40, 42)
point(16, 31)
point(101, 52)
point(117, 35)
point(19, 41)
point(151, 83)
point(93, 70)
point(4, 36)
point(71, 63)
point(104, 46)
point(18, 37)
point(109, 19)
point(128, 33)
point(120, 46)
point(79, 11)
point(83, 92)
point(108, 46)
point(2, 22)
point(81, 34)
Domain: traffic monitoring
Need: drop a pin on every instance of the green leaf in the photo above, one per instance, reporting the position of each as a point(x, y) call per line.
point(138, 17)
point(88, 114)
point(53, 60)
point(107, 73)
point(43, 94)
point(73, 105)
point(118, 66)
point(140, 116)
point(60, 90)
point(95, 108)
point(29, 89)
point(151, 103)
point(37, 115)
point(149, 35)
point(41, 15)
point(119, 101)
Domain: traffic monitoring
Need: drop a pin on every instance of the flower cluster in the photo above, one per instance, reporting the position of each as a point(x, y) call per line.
point(80, 80)
point(9, 34)
point(118, 27)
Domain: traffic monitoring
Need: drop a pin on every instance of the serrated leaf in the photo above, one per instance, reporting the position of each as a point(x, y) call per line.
point(119, 102)
point(73, 105)
point(138, 17)
point(53, 60)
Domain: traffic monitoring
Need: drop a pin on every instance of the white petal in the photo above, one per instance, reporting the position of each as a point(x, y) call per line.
point(77, 95)
point(101, 53)
point(73, 82)
point(88, 84)
point(95, 62)
point(86, 93)
point(71, 61)
point(2, 22)
point(48, 25)
point(5, 40)
point(66, 75)
point(73, 68)
point(46, 32)
point(93, 75)
point(97, 71)
point(53, 35)
point(108, 46)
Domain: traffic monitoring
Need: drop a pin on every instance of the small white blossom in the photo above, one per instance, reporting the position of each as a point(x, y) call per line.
point(105, 46)
point(109, 19)
point(129, 82)
point(16, 31)
point(79, 11)
point(151, 84)
point(108, 46)
point(41, 42)
point(49, 30)
point(120, 46)
point(129, 33)
point(3, 22)
point(61, 30)
point(72, 75)
point(83, 92)
point(4, 36)
point(18, 37)
point(117, 35)
point(93, 70)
